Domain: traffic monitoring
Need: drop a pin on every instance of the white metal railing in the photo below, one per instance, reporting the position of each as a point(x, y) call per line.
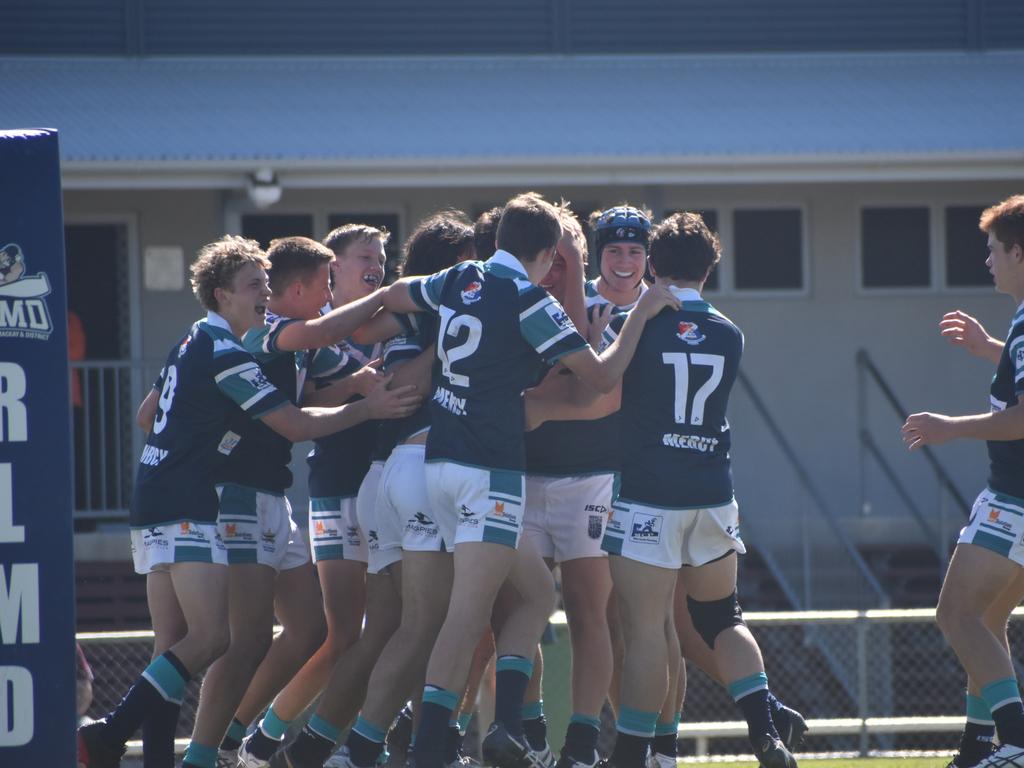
point(912, 630)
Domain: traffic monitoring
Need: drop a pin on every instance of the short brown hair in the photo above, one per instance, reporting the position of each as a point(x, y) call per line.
point(341, 238)
point(484, 230)
point(529, 224)
point(295, 258)
point(683, 247)
point(571, 224)
point(438, 242)
point(218, 263)
point(1006, 221)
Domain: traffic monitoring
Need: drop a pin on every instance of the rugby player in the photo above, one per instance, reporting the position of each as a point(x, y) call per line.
point(676, 505)
point(983, 580)
point(208, 376)
point(496, 329)
point(399, 504)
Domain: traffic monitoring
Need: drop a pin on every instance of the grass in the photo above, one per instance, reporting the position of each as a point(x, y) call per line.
point(867, 762)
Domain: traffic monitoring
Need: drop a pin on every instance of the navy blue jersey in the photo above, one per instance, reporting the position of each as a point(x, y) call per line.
point(208, 379)
point(497, 333)
point(420, 329)
point(675, 436)
point(262, 456)
point(338, 462)
point(577, 447)
point(1006, 457)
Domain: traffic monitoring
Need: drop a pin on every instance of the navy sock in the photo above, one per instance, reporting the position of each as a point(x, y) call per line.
point(536, 732)
point(751, 696)
point(630, 751)
point(365, 743)
point(158, 735)
point(261, 745)
point(162, 681)
point(436, 713)
point(310, 747)
point(1003, 699)
point(453, 743)
point(581, 739)
point(511, 678)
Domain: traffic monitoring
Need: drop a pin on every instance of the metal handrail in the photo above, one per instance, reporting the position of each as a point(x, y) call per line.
point(866, 364)
point(804, 477)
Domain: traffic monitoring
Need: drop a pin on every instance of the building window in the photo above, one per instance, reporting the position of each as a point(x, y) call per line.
point(895, 248)
point(388, 221)
point(768, 248)
point(966, 249)
point(264, 227)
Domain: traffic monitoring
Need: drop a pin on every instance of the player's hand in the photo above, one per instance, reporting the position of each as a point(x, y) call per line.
point(655, 299)
point(366, 379)
point(572, 251)
point(384, 403)
point(962, 330)
point(923, 429)
point(595, 331)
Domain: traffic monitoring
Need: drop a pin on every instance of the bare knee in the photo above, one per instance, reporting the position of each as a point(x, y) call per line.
point(208, 644)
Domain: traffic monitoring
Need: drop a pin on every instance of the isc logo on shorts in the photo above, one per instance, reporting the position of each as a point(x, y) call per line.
point(646, 528)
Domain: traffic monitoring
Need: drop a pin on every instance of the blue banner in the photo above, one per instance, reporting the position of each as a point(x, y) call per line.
point(37, 606)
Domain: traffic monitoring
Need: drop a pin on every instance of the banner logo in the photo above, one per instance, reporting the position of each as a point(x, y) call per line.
point(23, 311)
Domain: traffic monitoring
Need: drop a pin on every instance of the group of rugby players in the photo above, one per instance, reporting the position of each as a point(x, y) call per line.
point(468, 439)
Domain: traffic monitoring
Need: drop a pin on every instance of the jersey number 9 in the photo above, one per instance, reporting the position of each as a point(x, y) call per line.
point(163, 405)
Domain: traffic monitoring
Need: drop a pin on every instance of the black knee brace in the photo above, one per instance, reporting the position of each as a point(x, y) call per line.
point(712, 617)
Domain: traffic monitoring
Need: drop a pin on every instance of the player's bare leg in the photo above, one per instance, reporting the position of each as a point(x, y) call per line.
point(586, 589)
point(976, 579)
point(251, 619)
point(169, 626)
point(789, 723)
point(644, 594)
point(664, 745)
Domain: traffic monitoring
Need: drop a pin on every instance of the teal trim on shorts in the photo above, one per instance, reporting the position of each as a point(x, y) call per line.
point(176, 521)
point(623, 501)
point(1000, 693)
point(193, 555)
point(533, 709)
point(240, 556)
point(329, 552)
point(165, 677)
point(447, 699)
point(266, 491)
point(238, 500)
point(273, 726)
point(515, 664)
point(321, 727)
point(1003, 506)
point(747, 685)
point(612, 544)
point(507, 483)
point(579, 719)
point(978, 711)
point(992, 543)
point(1007, 498)
point(636, 722)
point(495, 535)
point(327, 503)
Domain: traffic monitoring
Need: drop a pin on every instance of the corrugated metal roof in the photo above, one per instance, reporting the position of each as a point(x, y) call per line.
point(306, 111)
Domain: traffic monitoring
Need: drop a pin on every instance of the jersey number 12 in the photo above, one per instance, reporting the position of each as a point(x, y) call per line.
point(451, 324)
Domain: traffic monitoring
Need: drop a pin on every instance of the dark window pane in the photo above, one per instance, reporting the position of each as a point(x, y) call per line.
point(388, 221)
point(710, 217)
point(966, 249)
point(264, 227)
point(769, 249)
point(895, 248)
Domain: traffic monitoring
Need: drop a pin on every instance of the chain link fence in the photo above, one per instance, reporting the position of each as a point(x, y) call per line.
point(828, 665)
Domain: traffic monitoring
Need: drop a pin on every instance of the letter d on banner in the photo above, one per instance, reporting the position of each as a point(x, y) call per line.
point(37, 608)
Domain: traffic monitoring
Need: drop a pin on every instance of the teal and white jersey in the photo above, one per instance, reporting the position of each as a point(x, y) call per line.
point(675, 435)
point(496, 336)
point(208, 378)
point(1006, 457)
point(262, 456)
point(594, 300)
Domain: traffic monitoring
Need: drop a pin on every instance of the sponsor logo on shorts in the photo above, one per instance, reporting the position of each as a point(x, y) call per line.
point(154, 538)
point(324, 529)
point(450, 402)
point(689, 333)
point(421, 524)
point(466, 517)
point(995, 521)
point(600, 509)
point(646, 528)
point(352, 534)
point(268, 537)
point(23, 310)
point(471, 293)
point(594, 526)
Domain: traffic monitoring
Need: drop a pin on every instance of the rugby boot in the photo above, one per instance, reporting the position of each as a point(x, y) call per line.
point(92, 752)
point(772, 753)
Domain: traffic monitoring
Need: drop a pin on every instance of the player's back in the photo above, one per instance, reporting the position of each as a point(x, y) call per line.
point(1006, 457)
point(675, 434)
point(496, 329)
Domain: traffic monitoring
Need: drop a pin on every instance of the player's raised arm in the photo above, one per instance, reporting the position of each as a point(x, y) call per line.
point(604, 371)
point(962, 330)
point(338, 324)
point(923, 429)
